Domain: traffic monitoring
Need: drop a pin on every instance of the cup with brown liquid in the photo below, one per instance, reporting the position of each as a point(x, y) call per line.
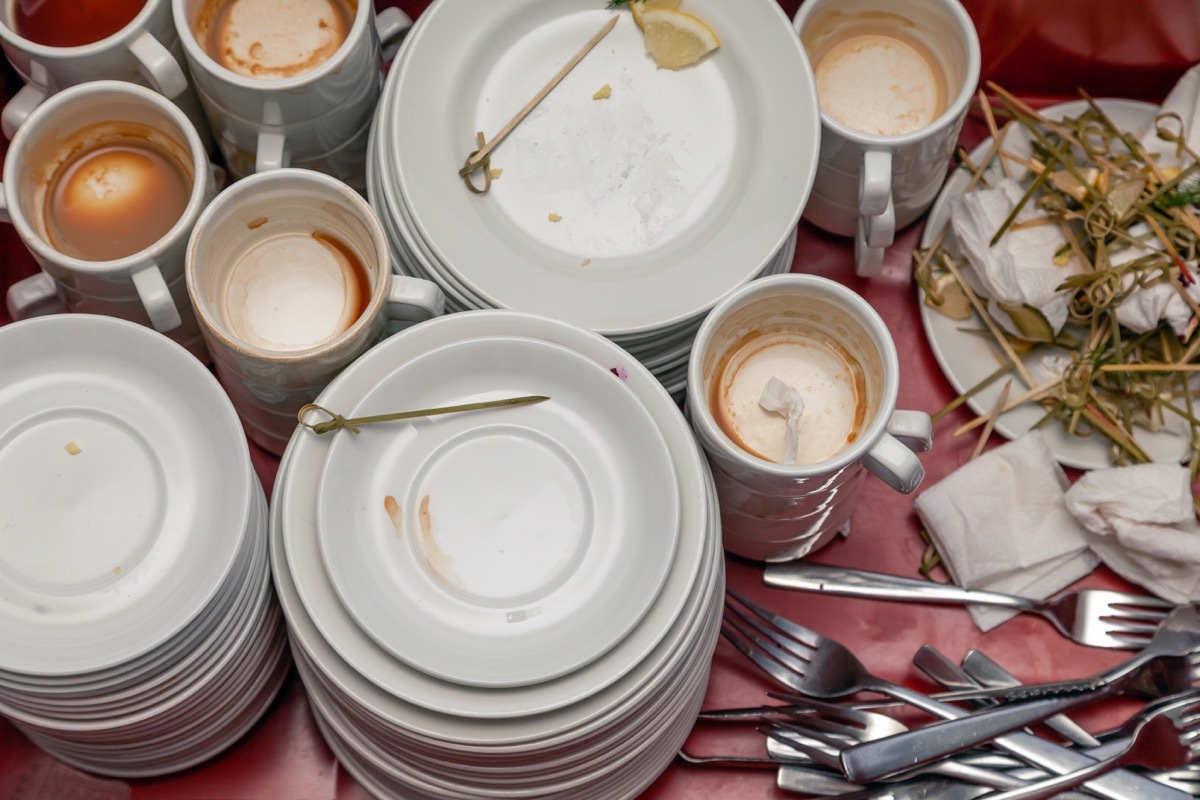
point(788, 476)
point(288, 82)
point(55, 44)
point(103, 183)
point(290, 274)
point(895, 80)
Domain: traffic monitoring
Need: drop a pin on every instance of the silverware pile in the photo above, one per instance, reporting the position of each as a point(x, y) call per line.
point(824, 740)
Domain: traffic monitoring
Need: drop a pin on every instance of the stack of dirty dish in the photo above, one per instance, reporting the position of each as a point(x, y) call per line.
point(141, 635)
point(517, 601)
point(629, 211)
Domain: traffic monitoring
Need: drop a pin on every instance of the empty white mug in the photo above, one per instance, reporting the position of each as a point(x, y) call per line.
point(146, 287)
point(773, 510)
point(870, 184)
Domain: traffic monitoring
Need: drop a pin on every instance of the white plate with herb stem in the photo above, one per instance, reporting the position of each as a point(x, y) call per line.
point(626, 215)
point(967, 353)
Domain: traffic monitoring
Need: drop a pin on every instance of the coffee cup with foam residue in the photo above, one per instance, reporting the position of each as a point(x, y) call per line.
point(289, 82)
point(895, 79)
point(290, 275)
point(792, 388)
point(103, 183)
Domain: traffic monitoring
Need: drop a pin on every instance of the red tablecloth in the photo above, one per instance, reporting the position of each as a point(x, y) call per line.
point(1039, 50)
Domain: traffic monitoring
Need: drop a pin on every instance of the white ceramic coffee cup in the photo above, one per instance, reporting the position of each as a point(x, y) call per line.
point(869, 186)
point(269, 385)
point(262, 124)
point(772, 511)
point(146, 287)
point(145, 52)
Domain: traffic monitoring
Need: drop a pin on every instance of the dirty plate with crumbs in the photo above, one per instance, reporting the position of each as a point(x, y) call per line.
point(678, 185)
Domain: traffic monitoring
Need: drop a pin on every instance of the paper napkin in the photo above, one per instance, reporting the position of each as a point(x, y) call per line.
point(1019, 269)
point(1183, 100)
point(1000, 523)
point(782, 398)
point(1141, 522)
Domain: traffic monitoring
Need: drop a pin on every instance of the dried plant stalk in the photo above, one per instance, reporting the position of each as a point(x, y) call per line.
point(1107, 194)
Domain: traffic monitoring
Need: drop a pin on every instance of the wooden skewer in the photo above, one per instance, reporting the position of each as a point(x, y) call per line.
point(997, 410)
point(537, 98)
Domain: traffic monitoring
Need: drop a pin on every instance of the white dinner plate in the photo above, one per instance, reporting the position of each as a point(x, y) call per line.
point(126, 492)
point(437, 709)
point(678, 188)
point(967, 358)
point(507, 546)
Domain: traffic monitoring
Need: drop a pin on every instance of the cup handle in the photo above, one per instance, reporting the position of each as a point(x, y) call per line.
point(914, 429)
point(894, 464)
point(23, 103)
point(875, 183)
point(34, 296)
point(868, 261)
point(413, 299)
point(392, 25)
point(156, 298)
point(158, 66)
point(272, 152)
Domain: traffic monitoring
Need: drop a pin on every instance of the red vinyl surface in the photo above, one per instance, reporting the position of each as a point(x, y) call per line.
point(1039, 50)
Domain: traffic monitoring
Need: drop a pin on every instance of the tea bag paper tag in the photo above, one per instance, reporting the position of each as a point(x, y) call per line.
point(783, 399)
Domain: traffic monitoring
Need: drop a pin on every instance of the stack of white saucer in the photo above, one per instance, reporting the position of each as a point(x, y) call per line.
point(629, 215)
point(141, 635)
point(513, 602)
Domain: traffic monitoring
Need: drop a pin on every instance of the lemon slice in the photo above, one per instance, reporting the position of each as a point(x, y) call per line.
point(675, 39)
point(638, 6)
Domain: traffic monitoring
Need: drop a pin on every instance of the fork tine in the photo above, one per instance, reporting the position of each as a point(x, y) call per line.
point(777, 671)
point(797, 632)
point(811, 710)
point(775, 647)
point(795, 738)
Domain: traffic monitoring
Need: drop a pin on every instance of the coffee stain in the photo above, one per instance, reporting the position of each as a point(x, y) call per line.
point(441, 564)
point(256, 223)
point(395, 514)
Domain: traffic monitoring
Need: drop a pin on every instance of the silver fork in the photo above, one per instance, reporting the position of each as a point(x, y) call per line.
point(1093, 617)
point(1165, 658)
point(1166, 737)
point(822, 667)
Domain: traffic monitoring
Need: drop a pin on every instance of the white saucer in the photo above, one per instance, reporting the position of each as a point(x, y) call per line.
point(507, 546)
point(470, 716)
point(126, 496)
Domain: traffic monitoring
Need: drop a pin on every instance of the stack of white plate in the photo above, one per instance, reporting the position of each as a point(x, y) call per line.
point(630, 216)
point(515, 602)
point(140, 632)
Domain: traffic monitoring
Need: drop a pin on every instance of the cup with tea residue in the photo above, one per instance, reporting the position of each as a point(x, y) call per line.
point(895, 80)
point(103, 184)
point(289, 82)
point(290, 274)
point(56, 44)
point(781, 498)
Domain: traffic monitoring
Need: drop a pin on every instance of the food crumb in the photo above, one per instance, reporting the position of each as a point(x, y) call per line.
point(495, 173)
point(72, 448)
point(116, 570)
point(553, 217)
point(603, 93)
point(585, 262)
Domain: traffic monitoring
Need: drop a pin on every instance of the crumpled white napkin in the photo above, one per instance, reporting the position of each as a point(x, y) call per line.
point(1019, 269)
point(1000, 523)
point(1141, 310)
point(1141, 521)
point(781, 398)
point(1184, 100)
